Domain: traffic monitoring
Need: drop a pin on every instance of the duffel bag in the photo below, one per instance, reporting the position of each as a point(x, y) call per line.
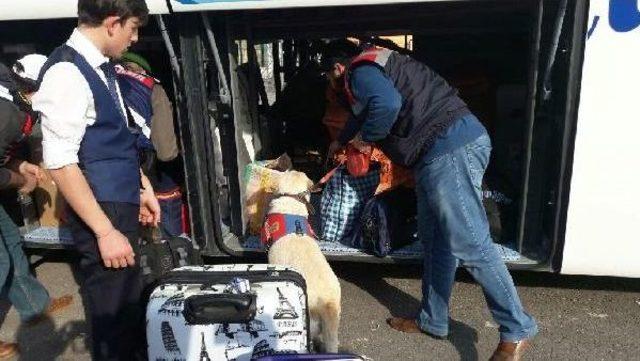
point(388, 222)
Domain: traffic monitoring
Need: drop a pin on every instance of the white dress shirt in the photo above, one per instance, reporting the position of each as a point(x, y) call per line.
point(66, 103)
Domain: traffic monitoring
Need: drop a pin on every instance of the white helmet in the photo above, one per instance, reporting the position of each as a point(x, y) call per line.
point(29, 66)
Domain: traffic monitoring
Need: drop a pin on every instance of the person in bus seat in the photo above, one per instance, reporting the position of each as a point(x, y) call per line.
point(151, 118)
point(25, 292)
point(420, 122)
point(93, 158)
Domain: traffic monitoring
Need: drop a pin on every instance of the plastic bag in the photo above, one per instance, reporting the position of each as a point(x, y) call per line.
point(260, 180)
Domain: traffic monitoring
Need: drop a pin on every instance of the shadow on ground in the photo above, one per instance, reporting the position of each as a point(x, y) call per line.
point(521, 278)
point(401, 304)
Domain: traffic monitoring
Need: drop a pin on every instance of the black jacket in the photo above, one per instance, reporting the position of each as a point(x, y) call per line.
point(11, 122)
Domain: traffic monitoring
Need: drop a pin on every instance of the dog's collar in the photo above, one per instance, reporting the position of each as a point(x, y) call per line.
point(300, 197)
point(278, 225)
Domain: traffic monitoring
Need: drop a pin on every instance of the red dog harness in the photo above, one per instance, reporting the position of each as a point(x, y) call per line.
point(278, 225)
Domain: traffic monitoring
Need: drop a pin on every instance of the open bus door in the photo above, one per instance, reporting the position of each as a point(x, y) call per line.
point(212, 128)
point(552, 126)
point(555, 80)
point(603, 213)
point(208, 136)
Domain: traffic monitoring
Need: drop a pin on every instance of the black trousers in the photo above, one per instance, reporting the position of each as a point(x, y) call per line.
point(112, 296)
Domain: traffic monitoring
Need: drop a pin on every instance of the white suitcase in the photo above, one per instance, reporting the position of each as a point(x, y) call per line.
point(206, 313)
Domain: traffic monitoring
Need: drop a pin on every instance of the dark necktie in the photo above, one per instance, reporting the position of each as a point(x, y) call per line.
point(110, 74)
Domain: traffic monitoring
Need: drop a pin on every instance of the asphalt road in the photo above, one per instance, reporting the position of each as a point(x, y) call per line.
point(581, 318)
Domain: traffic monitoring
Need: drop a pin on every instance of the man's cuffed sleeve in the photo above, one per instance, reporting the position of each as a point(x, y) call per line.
point(62, 100)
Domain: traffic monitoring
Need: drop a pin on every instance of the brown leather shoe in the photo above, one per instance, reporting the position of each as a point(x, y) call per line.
point(8, 349)
point(58, 304)
point(409, 325)
point(510, 351)
point(55, 305)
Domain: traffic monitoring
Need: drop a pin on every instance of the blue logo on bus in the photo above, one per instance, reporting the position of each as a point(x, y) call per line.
point(624, 15)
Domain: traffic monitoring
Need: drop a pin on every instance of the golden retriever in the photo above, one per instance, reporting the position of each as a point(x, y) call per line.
point(303, 253)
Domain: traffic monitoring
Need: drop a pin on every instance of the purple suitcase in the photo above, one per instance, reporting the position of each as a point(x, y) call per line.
point(311, 357)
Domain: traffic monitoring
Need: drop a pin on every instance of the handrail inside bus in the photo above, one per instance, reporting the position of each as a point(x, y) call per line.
point(225, 93)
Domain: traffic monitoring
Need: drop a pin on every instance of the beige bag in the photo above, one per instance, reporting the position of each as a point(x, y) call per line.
point(260, 180)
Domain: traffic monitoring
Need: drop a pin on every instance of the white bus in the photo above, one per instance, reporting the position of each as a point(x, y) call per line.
point(553, 81)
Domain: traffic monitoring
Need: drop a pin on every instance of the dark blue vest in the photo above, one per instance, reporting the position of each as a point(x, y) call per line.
point(430, 105)
point(136, 91)
point(108, 155)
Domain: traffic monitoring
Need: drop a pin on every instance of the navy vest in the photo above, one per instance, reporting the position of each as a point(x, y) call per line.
point(108, 155)
point(429, 104)
point(136, 91)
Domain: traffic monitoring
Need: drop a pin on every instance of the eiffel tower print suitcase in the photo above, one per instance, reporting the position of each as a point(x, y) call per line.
point(312, 357)
point(227, 312)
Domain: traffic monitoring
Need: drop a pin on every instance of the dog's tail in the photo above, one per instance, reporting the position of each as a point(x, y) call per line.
point(330, 319)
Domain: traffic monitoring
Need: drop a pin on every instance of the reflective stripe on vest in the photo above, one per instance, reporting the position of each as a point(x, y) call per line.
point(376, 56)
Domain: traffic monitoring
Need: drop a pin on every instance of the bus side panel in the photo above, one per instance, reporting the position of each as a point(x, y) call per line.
point(24, 9)
point(209, 5)
point(603, 220)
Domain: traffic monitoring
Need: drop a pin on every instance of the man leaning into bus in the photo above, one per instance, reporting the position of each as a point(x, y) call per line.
point(420, 122)
point(93, 159)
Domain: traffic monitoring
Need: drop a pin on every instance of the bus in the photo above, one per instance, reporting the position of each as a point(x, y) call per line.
point(552, 80)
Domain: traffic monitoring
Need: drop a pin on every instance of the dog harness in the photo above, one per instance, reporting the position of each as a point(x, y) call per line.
point(278, 225)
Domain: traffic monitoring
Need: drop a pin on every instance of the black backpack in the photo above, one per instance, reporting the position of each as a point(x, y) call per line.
point(388, 222)
point(159, 255)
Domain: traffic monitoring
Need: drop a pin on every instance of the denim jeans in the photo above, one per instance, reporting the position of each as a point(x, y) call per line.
point(453, 228)
point(25, 293)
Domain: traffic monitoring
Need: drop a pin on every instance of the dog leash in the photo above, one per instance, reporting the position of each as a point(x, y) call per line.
point(316, 187)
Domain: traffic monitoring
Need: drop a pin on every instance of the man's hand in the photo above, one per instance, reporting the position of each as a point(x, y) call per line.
point(30, 183)
point(25, 175)
point(32, 174)
point(149, 208)
point(28, 169)
point(361, 145)
point(115, 249)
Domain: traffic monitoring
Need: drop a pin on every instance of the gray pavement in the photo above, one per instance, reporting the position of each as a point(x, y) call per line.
point(581, 318)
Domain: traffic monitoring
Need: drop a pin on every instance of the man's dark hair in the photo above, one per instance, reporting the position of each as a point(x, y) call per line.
point(93, 12)
point(338, 51)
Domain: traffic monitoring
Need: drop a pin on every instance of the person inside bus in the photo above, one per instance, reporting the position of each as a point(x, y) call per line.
point(419, 121)
point(25, 292)
point(151, 113)
point(93, 158)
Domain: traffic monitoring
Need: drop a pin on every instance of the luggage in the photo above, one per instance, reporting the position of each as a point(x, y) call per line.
point(312, 357)
point(343, 199)
point(160, 255)
point(388, 222)
point(227, 312)
point(259, 181)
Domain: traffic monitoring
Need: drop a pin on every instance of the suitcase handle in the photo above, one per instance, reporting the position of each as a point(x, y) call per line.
point(220, 308)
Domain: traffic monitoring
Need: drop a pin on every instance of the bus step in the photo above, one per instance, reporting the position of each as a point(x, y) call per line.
point(49, 238)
